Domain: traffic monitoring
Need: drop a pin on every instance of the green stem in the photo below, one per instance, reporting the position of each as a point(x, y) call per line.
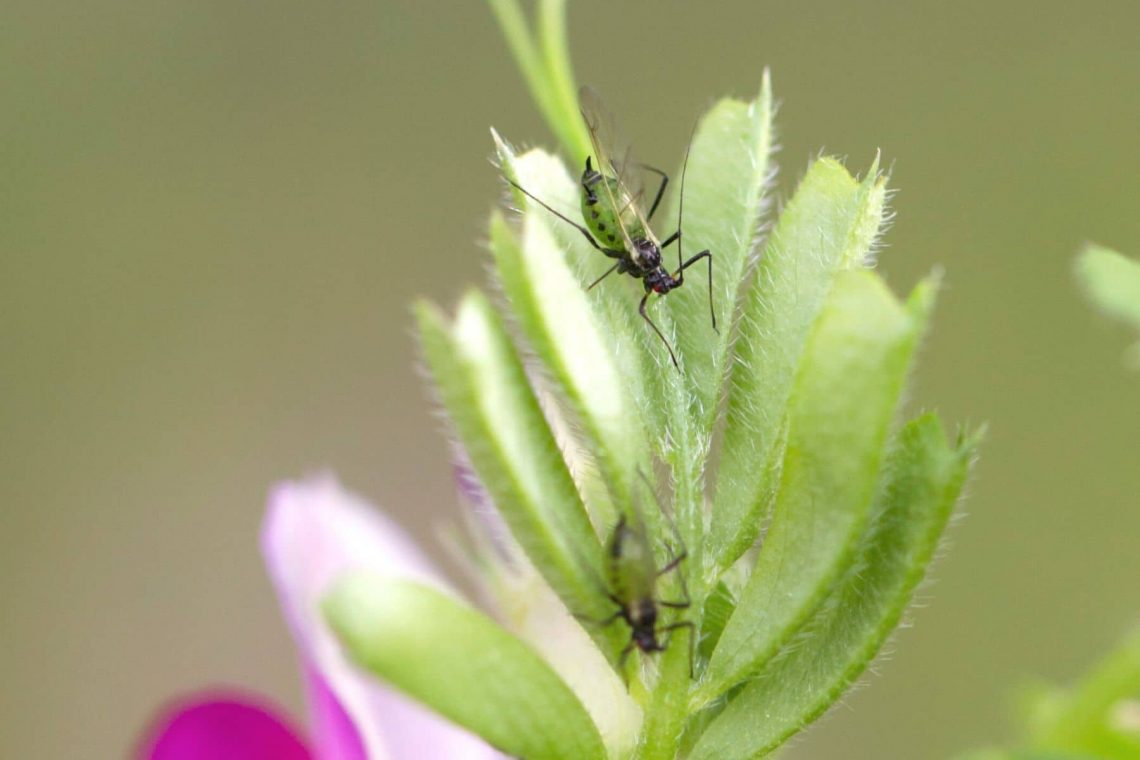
point(556, 52)
point(665, 717)
point(545, 65)
point(513, 23)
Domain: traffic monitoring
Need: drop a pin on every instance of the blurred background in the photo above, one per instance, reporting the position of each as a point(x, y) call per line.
point(214, 215)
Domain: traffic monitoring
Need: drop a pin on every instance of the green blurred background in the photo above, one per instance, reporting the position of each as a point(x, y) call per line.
point(215, 213)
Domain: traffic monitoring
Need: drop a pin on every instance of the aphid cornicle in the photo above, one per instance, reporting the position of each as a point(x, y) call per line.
point(632, 577)
point(611, 196)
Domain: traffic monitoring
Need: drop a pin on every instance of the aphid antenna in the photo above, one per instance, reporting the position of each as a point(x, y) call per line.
point(682, 264)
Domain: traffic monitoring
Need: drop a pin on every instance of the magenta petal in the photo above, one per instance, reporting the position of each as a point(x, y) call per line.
point(337, 737)
point(221, 727)
point(313, 533)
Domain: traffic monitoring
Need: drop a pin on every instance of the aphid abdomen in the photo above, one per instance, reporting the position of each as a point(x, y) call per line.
point(615, 570)
point(599, 213)
point(631, 572)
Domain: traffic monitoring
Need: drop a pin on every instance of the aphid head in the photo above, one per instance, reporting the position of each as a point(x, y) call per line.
point(646, 253)
point(646, 640)
point(659, 281)
point(643, 622)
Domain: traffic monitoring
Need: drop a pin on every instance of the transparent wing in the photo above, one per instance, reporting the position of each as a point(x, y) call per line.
point(615, 159)
point(637, 559)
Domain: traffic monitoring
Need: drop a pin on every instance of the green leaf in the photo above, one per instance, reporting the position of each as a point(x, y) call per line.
point(461, 664)
point(921, 482)
point(657, 391)
point(614, 302)
point(718, 609)
point(840, 411)
point(485, 390)
point(546, 277)
point(1112, 282)
point(829, 225)
point(551, 307)
point(545, 65)
point(1083, 720)
point(729, 168)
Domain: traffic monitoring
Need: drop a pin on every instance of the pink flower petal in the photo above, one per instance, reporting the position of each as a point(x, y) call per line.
point(337, 737)
point(314, 532)
point(221, 727)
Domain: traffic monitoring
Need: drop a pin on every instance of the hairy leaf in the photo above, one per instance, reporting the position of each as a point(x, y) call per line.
point(498, 419)
point(463, 665)
point(921, 482)
point(729, 169)
point(828, 227)
point(841, 408)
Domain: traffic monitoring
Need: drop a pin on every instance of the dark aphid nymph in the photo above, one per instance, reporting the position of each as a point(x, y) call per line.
point(632, 576)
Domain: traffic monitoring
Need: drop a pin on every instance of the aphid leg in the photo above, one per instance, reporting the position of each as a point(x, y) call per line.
point(681, 279)
point(672, 564)
point(623, 657)
point(675, 562)
point(660, 190)
point(612, 253)
point(641, 311)
point(671, 239)
point(687, 600)
point(606, 274)
point(692, 639)
point(600, 622)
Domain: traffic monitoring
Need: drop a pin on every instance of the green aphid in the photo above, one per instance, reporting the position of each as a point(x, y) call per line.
point(631, 576)
point(612, 194)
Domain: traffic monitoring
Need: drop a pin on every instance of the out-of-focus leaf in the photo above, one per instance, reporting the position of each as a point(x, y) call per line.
point(1101, 714)
point(560, 324)
point(485, 390)
point(1112, 282)
point(462, 665)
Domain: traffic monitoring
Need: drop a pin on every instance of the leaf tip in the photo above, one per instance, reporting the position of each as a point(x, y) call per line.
point(351, 601)
point(971, 438)
point(502, 148)
point(428, 315)
point(500, 231)
point(873, 172)
point(921, 300)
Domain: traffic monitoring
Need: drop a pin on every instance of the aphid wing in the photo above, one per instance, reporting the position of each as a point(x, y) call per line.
point(614, 158)
point(639, 213)
point(616, 155)
point(641, 565)
point(603, 131)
